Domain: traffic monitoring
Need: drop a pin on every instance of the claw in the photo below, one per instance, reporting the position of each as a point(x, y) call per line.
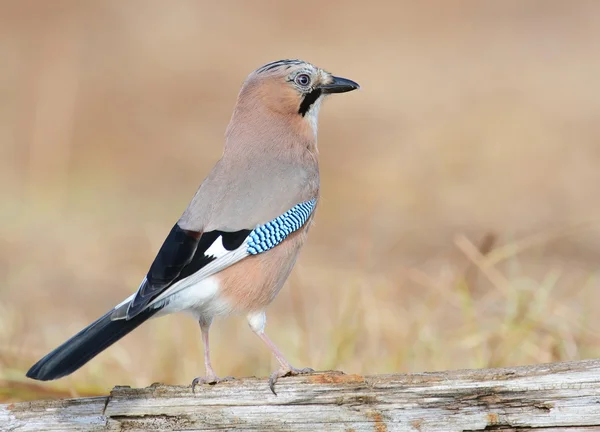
point(284, 372)
point(212, 380)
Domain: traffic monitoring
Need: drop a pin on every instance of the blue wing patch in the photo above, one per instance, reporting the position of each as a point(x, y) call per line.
point(269, 235)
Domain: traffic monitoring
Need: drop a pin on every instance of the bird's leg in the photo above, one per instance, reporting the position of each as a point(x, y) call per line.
point(211, 377)
point(286, 368)
point(257, 323)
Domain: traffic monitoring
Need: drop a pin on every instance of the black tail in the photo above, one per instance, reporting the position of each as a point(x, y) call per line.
point(84, 346)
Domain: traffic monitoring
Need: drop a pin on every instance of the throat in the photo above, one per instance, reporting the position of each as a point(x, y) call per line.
point(312, 117)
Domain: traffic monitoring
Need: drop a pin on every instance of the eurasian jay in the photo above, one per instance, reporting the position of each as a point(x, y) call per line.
point(236, 243)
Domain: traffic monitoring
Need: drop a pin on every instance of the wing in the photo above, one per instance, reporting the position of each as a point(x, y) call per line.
point(193, 256)
point(182, 254)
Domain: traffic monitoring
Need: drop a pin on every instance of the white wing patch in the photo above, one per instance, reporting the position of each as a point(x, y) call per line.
point(224, 261)
point(216, 249)
point(202, 292)
point(261, 239)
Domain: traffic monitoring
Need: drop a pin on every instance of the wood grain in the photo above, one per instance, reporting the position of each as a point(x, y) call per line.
point(548, 397)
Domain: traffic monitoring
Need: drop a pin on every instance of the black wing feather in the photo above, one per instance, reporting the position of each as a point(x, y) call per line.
point(181, 255)
point(85, 345)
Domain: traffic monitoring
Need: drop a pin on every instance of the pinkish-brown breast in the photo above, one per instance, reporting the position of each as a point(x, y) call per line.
point(251, 284)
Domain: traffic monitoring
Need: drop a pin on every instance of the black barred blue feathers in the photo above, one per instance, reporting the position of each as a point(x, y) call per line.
point(269, 235)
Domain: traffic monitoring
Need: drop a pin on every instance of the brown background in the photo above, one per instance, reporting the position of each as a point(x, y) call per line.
point(477, 126)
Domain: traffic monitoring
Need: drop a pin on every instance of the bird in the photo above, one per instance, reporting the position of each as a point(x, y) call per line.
point(236, 243)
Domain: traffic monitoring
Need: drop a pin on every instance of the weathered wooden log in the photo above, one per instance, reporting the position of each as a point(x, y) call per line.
point(547, 397)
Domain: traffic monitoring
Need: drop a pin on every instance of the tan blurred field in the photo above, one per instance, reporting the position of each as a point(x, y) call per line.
point(459, 225)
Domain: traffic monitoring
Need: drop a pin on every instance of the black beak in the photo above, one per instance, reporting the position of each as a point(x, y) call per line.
point(339, 85)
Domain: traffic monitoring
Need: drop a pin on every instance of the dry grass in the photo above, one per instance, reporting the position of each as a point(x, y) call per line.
point(459, 221)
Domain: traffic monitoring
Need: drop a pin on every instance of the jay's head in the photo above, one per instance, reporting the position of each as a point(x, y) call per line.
point(293, 87)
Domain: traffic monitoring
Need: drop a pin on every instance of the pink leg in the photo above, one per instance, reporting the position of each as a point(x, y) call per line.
point(211, 377)
point(208, 366)
point(257, 324)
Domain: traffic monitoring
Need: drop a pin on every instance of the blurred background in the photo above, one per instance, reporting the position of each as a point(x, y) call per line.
point(459, 225)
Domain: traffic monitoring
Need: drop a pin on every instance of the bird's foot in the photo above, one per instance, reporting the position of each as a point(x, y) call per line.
point(209, 379)
point(286, 371)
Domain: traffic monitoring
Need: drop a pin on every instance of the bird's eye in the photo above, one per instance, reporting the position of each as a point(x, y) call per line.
point(303, 80)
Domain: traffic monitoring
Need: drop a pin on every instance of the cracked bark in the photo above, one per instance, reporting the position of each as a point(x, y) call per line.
point(541, 398)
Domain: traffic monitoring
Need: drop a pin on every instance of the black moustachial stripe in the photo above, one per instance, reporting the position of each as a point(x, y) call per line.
point(181, 255)
point(308, 101)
